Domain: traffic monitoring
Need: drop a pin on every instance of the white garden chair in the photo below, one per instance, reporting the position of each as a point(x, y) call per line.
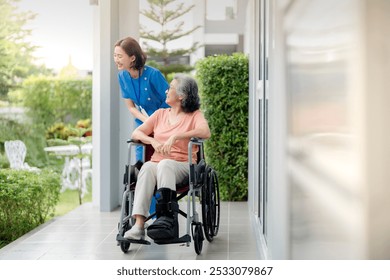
point(16, 153)
point(71, 173)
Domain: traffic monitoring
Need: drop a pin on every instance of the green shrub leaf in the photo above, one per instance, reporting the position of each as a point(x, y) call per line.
point(224, 87)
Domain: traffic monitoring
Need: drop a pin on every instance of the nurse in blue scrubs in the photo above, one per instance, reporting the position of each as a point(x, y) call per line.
point(142, 87)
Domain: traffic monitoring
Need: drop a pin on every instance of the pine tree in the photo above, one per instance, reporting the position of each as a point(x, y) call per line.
point(164, 14)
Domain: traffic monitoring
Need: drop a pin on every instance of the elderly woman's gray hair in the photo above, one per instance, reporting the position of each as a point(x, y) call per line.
point(188, 89)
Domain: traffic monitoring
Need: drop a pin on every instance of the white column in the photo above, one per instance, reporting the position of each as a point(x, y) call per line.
point(111, 19)
point(96, 106)
point(128, 26)
point(105, 117)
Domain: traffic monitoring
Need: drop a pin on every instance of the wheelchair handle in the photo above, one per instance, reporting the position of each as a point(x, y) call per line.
point(133, 141)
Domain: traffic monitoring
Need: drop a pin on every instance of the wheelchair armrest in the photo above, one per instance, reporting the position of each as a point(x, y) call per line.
point(193, 139)
point(148, 148)
point(197, 140)
point(133, 141)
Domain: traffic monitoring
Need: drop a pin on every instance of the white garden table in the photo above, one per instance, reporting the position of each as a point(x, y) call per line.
point(71, 170)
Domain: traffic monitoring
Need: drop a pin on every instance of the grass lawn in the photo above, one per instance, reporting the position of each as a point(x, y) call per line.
point(69, 200)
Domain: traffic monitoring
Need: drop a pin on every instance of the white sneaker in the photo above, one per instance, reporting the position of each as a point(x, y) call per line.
point(136, 232)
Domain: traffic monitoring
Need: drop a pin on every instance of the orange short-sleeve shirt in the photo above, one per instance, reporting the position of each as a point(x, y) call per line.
point(163, 130)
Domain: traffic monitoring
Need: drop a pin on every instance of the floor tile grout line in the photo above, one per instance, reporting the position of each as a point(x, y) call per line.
point(136, 252)
point(228, 243)
point(46, 252)
point(108, 235)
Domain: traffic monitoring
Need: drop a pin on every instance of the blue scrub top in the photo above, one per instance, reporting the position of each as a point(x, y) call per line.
point(148, 91)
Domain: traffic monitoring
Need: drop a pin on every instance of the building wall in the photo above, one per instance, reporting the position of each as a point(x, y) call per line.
point(376, 161)
point(319, 155)
point(219, 35)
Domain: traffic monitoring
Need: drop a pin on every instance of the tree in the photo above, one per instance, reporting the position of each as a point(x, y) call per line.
point(16, 53)
point(162, 12)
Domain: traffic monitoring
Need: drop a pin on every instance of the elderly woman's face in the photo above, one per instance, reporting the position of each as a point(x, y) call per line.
point(172, 96)
point(122, 60)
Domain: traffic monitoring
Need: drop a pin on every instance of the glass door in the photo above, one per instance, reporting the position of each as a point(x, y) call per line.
point(262, 95)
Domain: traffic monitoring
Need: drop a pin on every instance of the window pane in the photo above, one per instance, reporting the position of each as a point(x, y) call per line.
point(221, 9)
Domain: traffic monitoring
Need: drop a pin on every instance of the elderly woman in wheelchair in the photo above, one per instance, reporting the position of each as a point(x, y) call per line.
point(171, 131)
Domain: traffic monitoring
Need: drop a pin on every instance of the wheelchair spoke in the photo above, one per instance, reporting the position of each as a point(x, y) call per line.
point(210, 204)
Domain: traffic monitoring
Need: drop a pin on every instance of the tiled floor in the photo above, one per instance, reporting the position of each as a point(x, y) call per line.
point(87, 234)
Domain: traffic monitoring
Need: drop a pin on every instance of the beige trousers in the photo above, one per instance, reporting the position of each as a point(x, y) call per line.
point(164, 174)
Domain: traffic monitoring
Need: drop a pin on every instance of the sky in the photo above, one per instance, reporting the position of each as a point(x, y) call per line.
point(62, 29)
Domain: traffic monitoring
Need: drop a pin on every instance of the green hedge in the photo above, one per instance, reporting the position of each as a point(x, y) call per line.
point(35, 142)
point(224, 86)
point(27, 199)
point(52, 100)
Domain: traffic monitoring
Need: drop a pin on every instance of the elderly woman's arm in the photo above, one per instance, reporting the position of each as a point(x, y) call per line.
point(142, 133)
point(202, 130)
point(199, 132)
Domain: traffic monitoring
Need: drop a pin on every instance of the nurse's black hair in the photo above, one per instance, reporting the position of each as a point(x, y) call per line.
point(131, 47)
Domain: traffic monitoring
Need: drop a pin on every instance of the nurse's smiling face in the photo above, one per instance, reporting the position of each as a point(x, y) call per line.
point(122, 60)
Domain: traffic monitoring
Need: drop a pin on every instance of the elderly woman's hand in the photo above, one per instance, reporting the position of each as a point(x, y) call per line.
point(166, 148)
point(157, 146)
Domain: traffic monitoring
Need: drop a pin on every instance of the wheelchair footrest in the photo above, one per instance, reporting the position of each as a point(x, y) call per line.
point(137, 241)
point(184, 239)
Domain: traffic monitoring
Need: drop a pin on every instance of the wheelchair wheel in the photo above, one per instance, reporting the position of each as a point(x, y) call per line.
point(197, 236)
point(210, 204)
point(125, 246)
point(125, 227)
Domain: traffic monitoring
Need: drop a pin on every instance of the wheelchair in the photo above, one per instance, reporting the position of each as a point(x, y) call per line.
point(201, 185)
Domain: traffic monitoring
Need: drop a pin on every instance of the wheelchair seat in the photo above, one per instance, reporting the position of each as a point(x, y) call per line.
point(182, 186)
point(201, 182)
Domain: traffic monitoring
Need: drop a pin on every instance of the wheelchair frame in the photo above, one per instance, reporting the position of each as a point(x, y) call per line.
point(202, 183)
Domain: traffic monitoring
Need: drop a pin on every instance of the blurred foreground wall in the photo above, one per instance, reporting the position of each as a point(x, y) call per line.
point(320, 173)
